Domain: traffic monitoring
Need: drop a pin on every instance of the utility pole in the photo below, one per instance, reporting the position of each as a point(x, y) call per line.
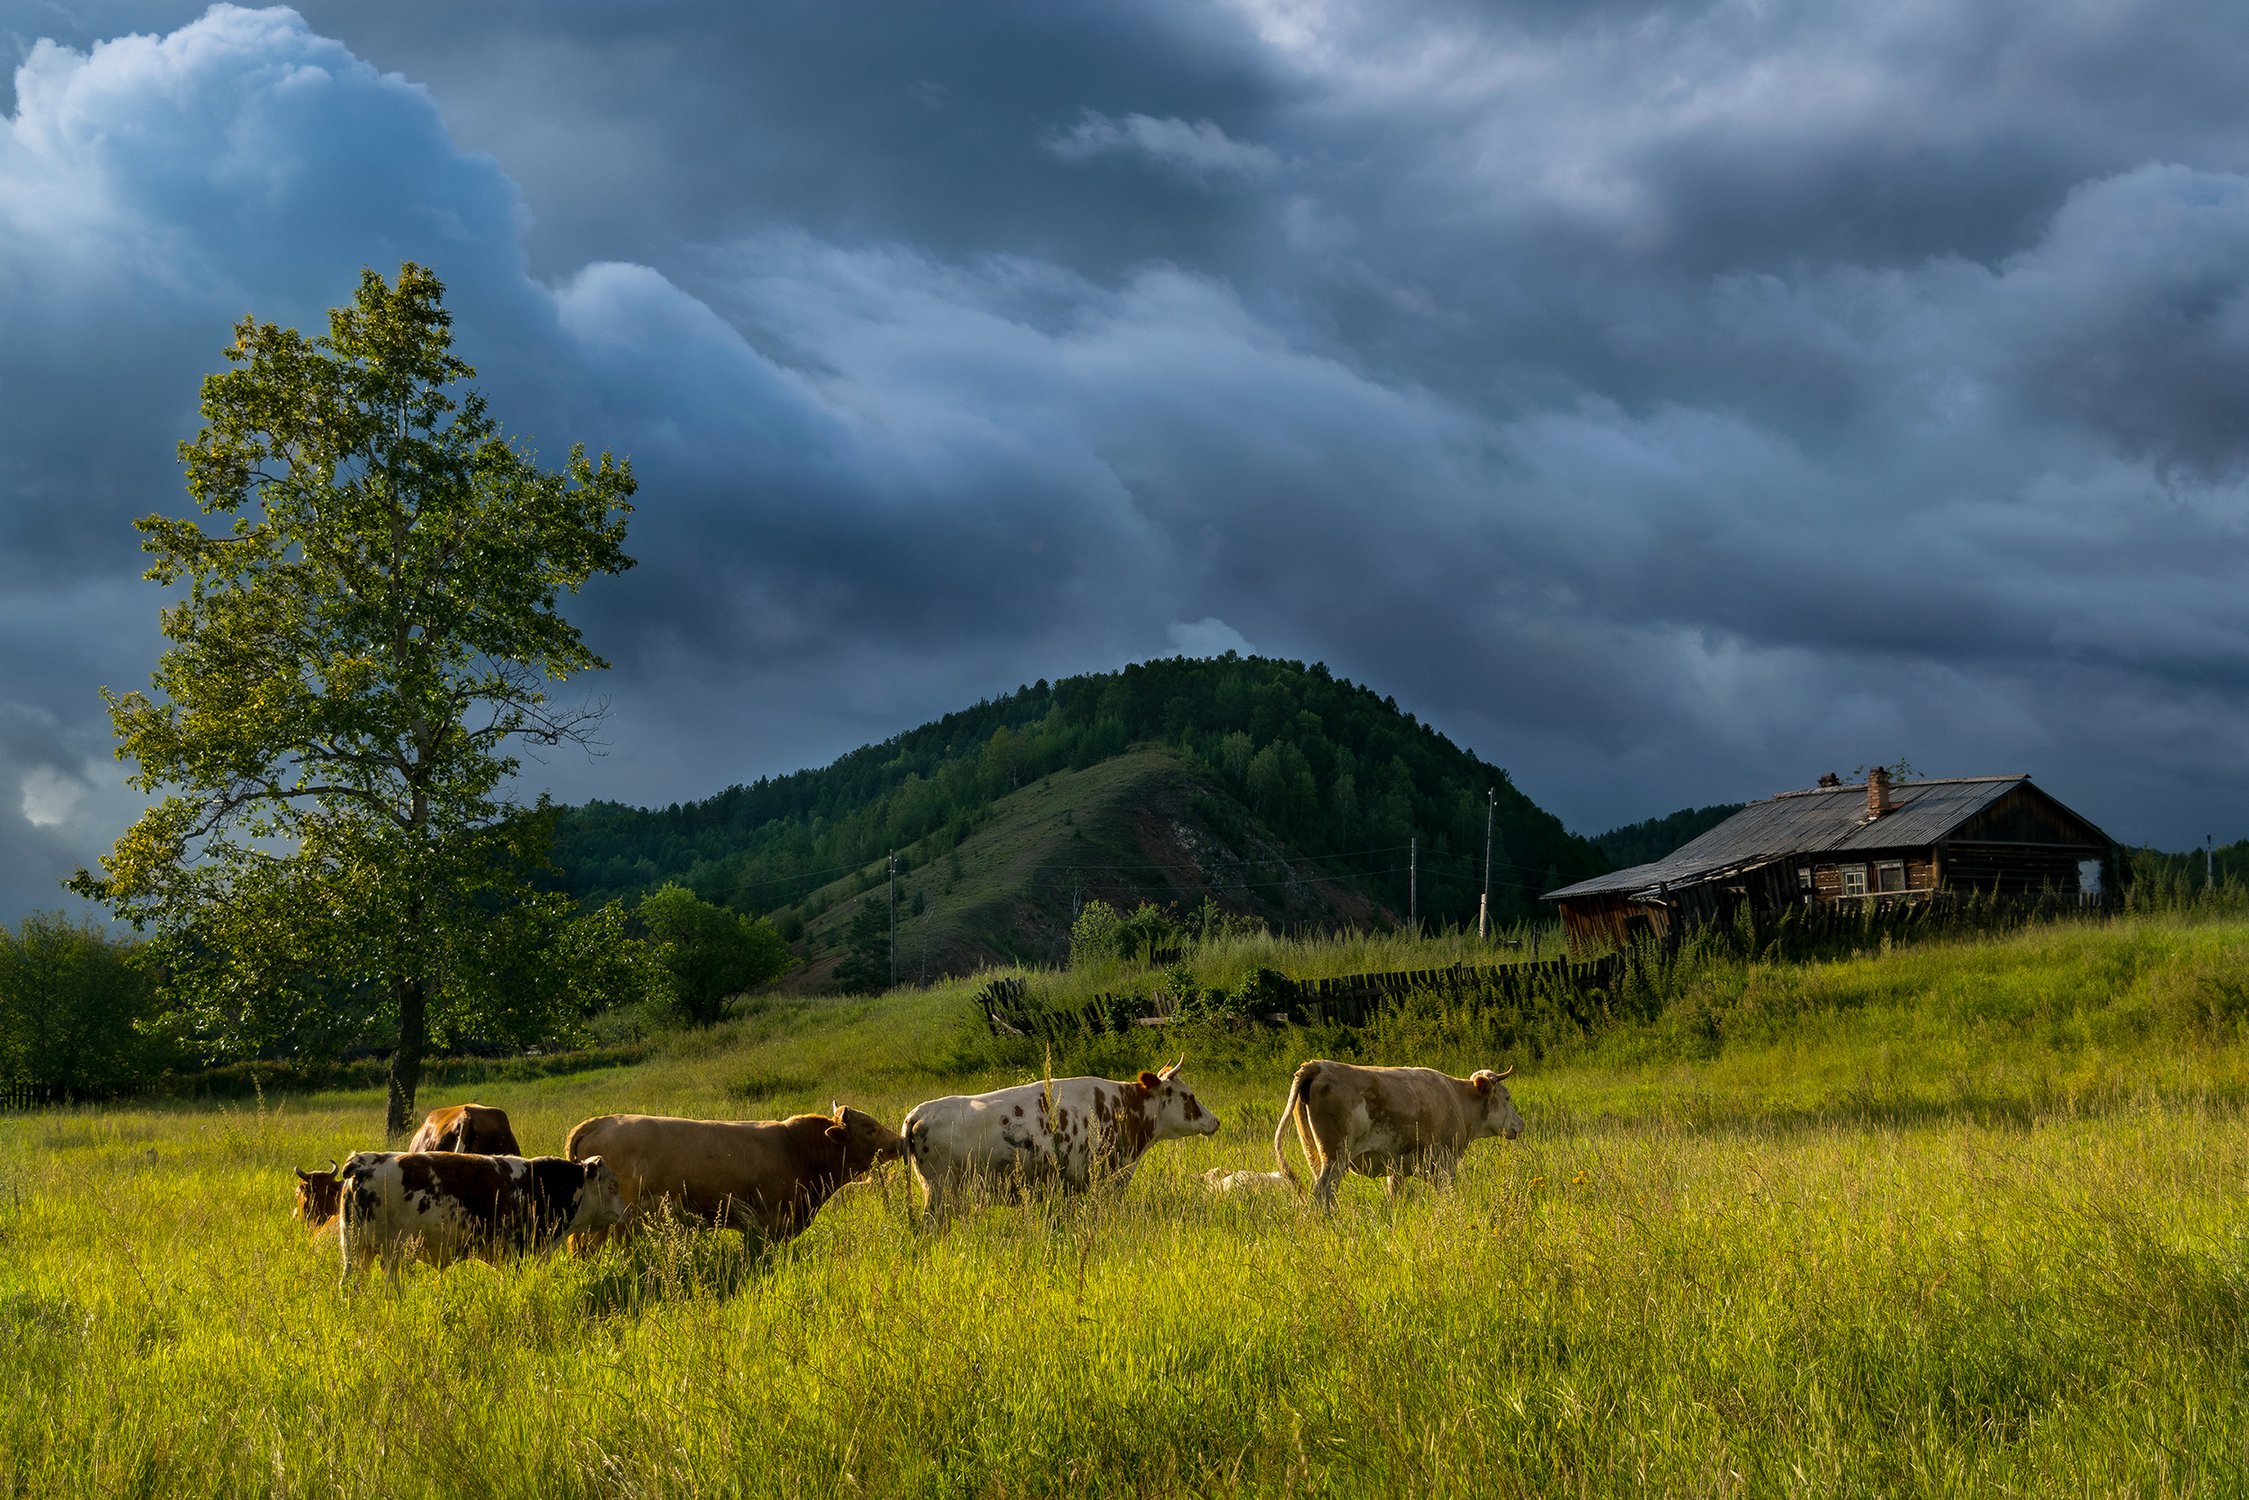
point(894, 919)
point(1413, 885)
point(1484, 907)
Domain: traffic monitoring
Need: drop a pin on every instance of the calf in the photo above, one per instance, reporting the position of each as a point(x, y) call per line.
point(442, 1205)
point(319, 1196)
point(477, 1128)
point(1062, 1130)
point(1390, 1123)
point(1220, 1180)
point(767, 1177)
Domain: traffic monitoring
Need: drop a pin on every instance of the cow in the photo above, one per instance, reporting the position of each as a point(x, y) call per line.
point(319, 1197)
point(1220, 1180)
point(477, 1128)
point(1064, 1130)
point(1390, 1123)
point(442, 1205)
point(763, 1177)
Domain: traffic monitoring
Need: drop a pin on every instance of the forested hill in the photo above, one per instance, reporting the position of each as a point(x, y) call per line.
point(1652, 838)
point(1331, 769)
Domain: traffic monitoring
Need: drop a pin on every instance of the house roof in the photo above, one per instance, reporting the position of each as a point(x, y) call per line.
point(1818, 821)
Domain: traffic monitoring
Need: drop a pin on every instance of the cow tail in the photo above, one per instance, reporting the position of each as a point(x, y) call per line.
point(1280, 1131)
point(579, 1134)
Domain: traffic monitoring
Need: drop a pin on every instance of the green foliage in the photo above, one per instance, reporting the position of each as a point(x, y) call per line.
point(1335, 770)
point(708, 951)
point(75, 1008)
point(1651, 839)
point(865, 969)
point(1097, 936)
point(355, 648)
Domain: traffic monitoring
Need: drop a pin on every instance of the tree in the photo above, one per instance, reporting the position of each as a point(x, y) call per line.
point(710, 952)
point(73, 1002)
point(865, 969)
point(359, 646)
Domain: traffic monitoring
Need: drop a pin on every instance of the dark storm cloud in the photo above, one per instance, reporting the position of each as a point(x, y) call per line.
point(1669, 401)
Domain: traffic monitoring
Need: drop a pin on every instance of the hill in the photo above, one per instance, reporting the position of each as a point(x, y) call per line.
point(1147, 825)
point(1651, 839)
point(1268, 761)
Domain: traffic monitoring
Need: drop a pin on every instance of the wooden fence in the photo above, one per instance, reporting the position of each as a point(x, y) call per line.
point(19, 1096)
point(1588, 992)
point(1349, 1000)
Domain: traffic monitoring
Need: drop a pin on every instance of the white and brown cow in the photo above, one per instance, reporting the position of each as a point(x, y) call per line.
point(478, 1128)
point(1066, 1130)
point(320, 1197)
point(766, 1177)
point(439, 1206)
point(1390, 1123)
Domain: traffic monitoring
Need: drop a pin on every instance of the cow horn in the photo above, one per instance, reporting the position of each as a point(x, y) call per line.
point(335, 1169)
point(1504, 1076)
point(303, 1175)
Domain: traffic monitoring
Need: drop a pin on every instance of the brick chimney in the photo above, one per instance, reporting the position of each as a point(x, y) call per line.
point(1877, 794)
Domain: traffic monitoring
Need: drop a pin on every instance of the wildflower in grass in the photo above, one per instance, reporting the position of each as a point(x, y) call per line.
point(1582, 1178)
point(1538, 1179)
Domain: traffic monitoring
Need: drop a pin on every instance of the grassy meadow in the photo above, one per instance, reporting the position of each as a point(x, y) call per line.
point(1960, 1219)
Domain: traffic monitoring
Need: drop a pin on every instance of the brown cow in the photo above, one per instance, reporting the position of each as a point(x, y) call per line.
point(766, 1176)
point(1390, 1123)
point(475, 1128)
point(319, 1196)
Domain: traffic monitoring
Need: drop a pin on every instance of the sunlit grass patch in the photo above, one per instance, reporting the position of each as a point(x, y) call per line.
point(1964, 1220)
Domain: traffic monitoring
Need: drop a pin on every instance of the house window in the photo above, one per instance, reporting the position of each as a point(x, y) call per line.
point(1889, 875)
point(1803, 877)
point(1854, 880)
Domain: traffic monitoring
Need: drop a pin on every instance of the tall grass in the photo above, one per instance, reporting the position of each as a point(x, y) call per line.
point(1964, 1219)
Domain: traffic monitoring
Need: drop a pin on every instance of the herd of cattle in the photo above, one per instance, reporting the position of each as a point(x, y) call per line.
point(462, 1186)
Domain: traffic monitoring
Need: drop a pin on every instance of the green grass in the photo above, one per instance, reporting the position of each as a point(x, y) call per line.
point(1964, 1219)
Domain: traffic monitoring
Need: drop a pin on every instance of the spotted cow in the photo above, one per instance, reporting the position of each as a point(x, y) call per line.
point(1066, 1130)
point(477, 1128)
point(1390, 1123)
point(440, 1206)
point(319, 1197)
point(764, 1177)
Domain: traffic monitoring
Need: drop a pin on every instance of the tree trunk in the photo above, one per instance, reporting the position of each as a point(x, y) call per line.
point(406, 1062)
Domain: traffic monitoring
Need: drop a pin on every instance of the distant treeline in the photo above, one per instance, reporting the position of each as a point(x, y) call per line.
point(2162, 875)
point(1651, 839)
point(1339, 773)
point(77, 1010)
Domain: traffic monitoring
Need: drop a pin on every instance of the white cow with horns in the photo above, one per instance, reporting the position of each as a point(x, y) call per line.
point(1066, 1130)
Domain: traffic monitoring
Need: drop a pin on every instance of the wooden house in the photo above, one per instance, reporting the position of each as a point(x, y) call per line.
point(1840, 843)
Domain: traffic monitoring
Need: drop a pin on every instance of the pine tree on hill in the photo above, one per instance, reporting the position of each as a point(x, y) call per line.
point(865, 969)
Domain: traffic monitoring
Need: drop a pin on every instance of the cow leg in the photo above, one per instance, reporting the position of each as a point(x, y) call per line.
point(1332, 1170)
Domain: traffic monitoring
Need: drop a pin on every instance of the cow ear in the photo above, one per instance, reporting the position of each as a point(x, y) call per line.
point(302, 1174)
point(1483, 1082)
point(1148, 1082)
point(836, 1133)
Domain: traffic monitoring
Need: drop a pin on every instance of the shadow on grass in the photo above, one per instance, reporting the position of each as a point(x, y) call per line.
point(675, 1258)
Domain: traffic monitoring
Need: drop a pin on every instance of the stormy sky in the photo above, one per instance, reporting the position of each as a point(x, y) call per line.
point(1669, 401)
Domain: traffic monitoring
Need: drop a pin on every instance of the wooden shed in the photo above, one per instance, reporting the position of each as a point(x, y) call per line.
point(1841, 843)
